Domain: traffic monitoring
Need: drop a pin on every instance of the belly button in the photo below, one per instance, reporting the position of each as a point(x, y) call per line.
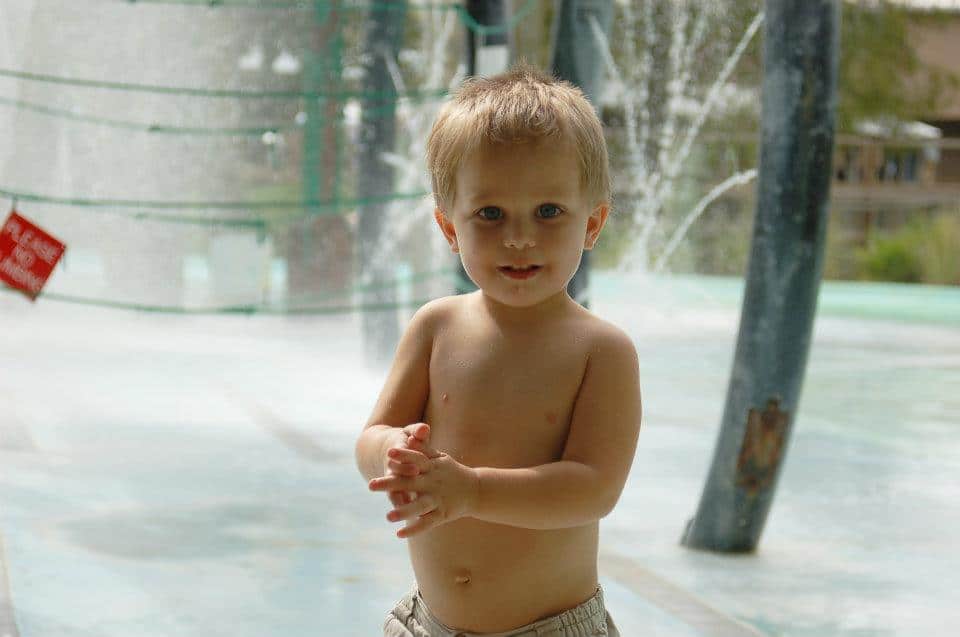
point(444, 397)
point(463, 578)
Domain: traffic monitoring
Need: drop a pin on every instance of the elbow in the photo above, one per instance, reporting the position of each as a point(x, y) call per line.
point(608, 505)
point(359, 448)
point(611, 496)
point(604, 504)
point(368, 450)
point(608, 494)
point(357, 455)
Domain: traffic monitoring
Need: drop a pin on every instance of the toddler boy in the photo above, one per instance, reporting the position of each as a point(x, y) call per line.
point(509, 420)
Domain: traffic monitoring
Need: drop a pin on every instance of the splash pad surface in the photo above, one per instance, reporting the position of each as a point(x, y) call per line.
point(194, 475)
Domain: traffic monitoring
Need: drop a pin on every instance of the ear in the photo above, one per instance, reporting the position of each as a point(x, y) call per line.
point(446, 227)
point(598, 219)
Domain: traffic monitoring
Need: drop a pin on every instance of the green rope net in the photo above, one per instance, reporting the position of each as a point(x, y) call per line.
point(232, 156)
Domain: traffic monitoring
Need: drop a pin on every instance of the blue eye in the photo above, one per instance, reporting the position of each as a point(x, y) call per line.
point(487, 209)
point(549, 211)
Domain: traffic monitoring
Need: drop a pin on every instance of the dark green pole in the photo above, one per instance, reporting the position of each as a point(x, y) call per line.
point(310, 249)
point(577, 58)
point(491, 17)
point(783, 275)
point(384, 36)
point(492, 14)
point(315, 77)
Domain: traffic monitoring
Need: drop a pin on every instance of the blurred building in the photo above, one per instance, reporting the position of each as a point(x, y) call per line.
point(939, 46)
point(904, 164)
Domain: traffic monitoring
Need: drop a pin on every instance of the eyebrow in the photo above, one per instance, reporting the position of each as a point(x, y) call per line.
point(560, 198)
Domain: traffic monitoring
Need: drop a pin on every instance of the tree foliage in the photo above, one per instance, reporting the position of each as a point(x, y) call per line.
point(881, 75)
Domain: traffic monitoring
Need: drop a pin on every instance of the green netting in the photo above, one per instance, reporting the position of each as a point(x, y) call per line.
point(202, 157)
point(267, 155)
point(307, 305)
point(163, 129)
point(396, 7)
point(320, 93)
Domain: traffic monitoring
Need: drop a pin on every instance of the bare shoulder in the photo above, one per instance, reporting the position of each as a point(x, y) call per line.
point(608, 340)
point(613, 356)
point(436, 311)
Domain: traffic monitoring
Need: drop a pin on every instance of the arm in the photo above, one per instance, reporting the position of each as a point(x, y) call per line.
point(586, 483)
point(549, 496)
point(403, 399)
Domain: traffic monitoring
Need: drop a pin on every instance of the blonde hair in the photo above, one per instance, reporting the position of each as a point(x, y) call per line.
point(522, 104)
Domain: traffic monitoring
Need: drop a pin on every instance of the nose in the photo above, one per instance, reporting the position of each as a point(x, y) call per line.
point(519, 243)
point(519, 235)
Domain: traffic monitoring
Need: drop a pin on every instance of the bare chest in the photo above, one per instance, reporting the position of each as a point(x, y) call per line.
point(502, 401)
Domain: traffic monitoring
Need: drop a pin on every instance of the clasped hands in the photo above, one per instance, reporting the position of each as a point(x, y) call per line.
point(445, 490)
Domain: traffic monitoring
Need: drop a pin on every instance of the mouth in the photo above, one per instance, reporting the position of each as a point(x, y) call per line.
point(520, 272)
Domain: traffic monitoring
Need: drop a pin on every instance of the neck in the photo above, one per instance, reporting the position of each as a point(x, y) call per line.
point(511, 316)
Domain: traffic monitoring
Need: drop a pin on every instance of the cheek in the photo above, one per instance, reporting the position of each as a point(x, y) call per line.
point(477, 244)
point(574, 242)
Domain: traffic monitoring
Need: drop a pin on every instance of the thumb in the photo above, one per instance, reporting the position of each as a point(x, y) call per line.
point(422, 446)
point(422, 432)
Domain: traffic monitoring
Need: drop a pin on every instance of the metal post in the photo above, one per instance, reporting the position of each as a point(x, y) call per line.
point(381, 329)
point(313, 263)
point(577, 58)
point(487, 54)
point(487, 45)
point(783, 278)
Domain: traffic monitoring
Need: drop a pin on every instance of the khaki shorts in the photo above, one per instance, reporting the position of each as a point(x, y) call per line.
point(412, 618)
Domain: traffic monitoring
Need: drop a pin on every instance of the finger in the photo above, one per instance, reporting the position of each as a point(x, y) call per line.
point(409, 456)
point(399, 498)
point(420, 506)
point(395, 483)
point(405, 454)
point(422, 447)
point(414, 445)
point(422, 431)
point(423, 523)
point(403, 468)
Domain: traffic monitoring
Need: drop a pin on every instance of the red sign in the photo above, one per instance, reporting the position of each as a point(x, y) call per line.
point(27, 255)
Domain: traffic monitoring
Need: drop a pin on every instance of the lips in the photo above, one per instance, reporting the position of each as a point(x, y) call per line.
point(519, 272)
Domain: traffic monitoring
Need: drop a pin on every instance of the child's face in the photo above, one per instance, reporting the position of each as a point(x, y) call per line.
point(522, 204)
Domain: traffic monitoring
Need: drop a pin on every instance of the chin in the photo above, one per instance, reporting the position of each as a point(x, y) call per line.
point(520, 298)
point(518, 301)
